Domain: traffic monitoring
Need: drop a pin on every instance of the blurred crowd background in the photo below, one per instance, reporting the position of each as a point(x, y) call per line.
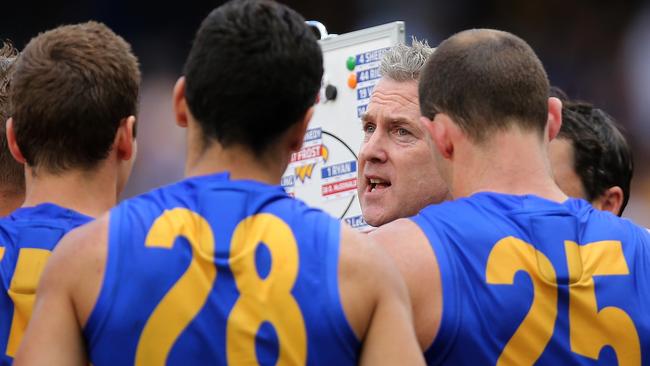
point(595, 50)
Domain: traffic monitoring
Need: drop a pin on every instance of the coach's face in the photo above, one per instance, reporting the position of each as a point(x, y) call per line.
point(397, 172)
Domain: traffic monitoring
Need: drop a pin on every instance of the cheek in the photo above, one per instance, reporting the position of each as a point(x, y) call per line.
point(420, 163)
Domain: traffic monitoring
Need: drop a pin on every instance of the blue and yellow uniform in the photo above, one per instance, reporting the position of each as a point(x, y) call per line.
point(529, 281)
point(27, 238)
point(216, 271)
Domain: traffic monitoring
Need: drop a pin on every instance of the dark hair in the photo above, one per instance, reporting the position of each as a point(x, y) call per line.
point(602, 156)
point(72, 88)
point(12, 176)
point(254, 70)
point(485, 80)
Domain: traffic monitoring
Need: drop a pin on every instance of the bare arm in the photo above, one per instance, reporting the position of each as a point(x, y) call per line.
point(410, 250)
point(64, 299)
point(376, 303)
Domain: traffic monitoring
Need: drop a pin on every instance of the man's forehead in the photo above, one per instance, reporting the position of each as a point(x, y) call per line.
point(403, 93)
point(393, 100)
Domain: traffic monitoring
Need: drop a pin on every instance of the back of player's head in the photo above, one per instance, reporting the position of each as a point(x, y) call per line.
point(11, 173)
point(73, 86)
point(602, 156)
point(405, 63)
point(254, 70)
point(486, 81)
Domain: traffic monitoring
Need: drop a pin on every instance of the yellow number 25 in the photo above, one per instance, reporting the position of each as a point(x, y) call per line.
point(590, 329)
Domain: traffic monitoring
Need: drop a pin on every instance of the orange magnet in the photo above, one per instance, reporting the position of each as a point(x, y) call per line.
point(352, 81)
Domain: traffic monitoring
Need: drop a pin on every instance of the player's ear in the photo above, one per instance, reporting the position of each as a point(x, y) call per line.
point(180, 103)
point(439, 131)
point(11, 141)
point(554, 119)
point(125, 138)
point(297, 133)
point(611, 200)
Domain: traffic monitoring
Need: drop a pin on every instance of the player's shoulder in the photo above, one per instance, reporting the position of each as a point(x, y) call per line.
point(86, 239)
point(78, 249)
point(364, 267)
point(360, 254)
point(405, 241)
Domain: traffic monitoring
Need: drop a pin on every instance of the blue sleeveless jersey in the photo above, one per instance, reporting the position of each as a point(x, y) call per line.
point(214, 271)
point(529, 281)
point(27, 237)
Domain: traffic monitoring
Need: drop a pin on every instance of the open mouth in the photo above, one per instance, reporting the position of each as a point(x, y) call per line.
point(377, 184)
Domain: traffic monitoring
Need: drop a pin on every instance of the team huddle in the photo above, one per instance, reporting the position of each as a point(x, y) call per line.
point(495, 199)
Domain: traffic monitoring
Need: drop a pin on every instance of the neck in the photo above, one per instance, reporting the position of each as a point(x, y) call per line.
point(11, 200)
point(88, 192)
point(511, 162)
point(241, 162)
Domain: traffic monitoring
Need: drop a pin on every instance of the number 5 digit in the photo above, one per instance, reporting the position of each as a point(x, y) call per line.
point(591, 329)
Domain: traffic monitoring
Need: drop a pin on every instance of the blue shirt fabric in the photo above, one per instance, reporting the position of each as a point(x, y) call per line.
point(530, 281)
point(212, 270)
point(27, 236)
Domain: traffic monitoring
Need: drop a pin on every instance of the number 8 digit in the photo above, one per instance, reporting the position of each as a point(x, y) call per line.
point(267, 299)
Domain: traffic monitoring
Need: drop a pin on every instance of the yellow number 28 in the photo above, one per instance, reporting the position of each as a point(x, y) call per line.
point(590, 329)
point(253, 307)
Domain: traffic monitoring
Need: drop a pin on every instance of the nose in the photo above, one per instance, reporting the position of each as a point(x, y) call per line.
point(373, 150)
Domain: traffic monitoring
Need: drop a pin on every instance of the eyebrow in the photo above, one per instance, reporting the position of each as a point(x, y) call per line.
point(399, 120)
point(366, 117)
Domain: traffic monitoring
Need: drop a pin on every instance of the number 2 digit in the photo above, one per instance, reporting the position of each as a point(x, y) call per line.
point(188, 295)
point(509, 256)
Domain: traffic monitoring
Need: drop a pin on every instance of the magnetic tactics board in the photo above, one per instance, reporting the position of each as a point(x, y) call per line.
point(324, 172)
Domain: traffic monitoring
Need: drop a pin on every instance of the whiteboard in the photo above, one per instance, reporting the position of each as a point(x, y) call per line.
point(324, 172)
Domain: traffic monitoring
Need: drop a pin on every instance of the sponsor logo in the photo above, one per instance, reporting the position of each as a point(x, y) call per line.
point(305, 171)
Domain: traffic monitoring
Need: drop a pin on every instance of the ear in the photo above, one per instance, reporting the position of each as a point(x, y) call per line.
point(439, 131)
point(611, 200)
point(554, 120)
point(124, 140)
point(297, 133)
point(180, 104)
point(13, 145)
